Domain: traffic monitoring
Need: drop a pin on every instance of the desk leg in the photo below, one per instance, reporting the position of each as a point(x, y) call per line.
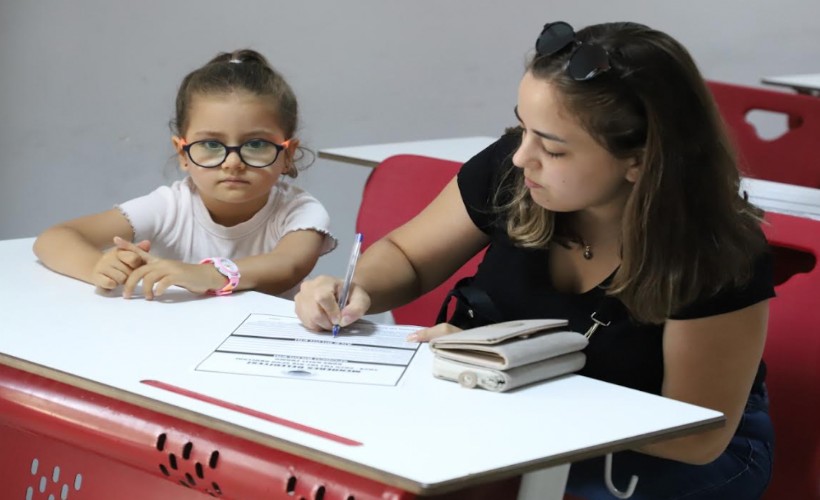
point(545, 484)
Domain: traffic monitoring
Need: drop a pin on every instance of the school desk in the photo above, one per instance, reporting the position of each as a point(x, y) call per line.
point(802, 84)
point(100, 399)
point(771, 196)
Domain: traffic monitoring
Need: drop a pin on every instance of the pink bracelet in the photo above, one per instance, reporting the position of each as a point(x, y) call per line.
point(227, 268)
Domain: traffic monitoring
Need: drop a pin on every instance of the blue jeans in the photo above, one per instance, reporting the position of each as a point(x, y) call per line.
point(742, 472)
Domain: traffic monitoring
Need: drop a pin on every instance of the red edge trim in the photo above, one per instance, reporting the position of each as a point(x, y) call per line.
point(249, 411)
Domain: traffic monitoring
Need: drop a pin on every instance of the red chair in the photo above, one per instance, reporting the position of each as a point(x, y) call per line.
point(794, 157)
point(792, 355)
point(398, 189)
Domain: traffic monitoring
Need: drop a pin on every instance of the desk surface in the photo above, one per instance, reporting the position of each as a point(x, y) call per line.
point(422, 435)
point(770, 196)
point(457, 149)
point(805, 84)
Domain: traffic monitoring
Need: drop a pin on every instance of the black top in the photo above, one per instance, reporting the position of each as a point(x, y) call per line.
point(518, 282)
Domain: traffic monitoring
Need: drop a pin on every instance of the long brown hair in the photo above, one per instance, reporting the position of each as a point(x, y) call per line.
point(242, 70)
point(686, 232)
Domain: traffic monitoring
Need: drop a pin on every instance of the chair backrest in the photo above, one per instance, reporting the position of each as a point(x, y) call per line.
point(792, 158)
point(792, 355)
point(398, 189)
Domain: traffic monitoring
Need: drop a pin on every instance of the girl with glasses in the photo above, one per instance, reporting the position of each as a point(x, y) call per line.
point(231, 223)
point(613, 202)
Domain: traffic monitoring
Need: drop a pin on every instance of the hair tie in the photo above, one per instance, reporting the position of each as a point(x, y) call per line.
point(235, 60)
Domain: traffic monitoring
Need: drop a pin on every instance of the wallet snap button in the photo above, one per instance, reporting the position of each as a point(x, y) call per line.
point(468, 379)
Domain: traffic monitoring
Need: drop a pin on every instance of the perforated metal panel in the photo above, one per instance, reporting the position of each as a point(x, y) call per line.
point(60, 442)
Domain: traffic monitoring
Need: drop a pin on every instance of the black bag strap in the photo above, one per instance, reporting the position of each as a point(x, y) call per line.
point(479, 307)
point(476, 301)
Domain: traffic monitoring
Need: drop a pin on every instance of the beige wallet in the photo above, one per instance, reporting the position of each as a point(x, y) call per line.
point(503, 356)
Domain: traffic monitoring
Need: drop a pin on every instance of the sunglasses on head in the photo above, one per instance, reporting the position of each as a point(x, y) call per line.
point(586, 60)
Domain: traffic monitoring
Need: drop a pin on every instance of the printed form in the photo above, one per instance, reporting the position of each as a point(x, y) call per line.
point(279, 346)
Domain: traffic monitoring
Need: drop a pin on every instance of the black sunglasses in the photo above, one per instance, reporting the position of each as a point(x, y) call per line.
point(586, 60)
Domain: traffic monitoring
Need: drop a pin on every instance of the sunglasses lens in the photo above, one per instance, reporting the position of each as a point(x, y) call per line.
point(554, 37)
point(587, 62)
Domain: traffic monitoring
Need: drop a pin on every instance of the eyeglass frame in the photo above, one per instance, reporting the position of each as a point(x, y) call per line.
point(599, 66)
point(235, 149)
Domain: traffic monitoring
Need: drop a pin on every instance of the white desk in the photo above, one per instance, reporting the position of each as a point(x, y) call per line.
point(457, 149)
point(424, 435)
point(803, 84)
point(770, 196)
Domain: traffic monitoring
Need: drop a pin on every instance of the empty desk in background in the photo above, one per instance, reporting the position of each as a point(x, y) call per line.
point(458, 149)
point(770, 196)
point(803, 84)
point(74, 403)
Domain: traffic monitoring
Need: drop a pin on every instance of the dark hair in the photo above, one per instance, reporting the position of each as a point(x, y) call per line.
point(245, 70)
point(687, 233)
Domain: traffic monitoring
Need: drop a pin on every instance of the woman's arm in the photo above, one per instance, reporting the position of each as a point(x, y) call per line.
point(406, 263)
point(75, 248)
point(279, 270)
point(418, 256)
point(711, 362)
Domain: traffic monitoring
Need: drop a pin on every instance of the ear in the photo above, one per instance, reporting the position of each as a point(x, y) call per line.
point(633, 174)
point(293, 144)
point(290, 150)
point(633, 170)
point(182, 158)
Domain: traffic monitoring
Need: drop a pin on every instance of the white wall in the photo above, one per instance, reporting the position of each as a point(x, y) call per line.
point(87, 87)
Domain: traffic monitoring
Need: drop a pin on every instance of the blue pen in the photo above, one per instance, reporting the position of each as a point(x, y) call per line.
point(351, 267)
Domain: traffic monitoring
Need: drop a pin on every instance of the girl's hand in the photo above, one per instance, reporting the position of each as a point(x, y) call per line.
point(158, 275)
point(429, 334)
point(116, 265)
point(317, 303)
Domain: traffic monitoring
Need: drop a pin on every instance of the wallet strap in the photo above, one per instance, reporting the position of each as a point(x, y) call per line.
point(608, 308)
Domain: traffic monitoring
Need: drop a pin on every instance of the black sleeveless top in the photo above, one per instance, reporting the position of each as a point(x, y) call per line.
point(518, 282)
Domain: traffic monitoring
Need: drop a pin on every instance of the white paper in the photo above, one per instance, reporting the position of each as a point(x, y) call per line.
point(279, 346)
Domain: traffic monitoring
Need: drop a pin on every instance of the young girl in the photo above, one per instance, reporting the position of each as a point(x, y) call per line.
point(230, 224)
point(617, 195)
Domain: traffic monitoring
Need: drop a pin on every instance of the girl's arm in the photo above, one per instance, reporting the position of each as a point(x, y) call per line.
point(274, 272)
point(711, 362)
point(408, 262)
point(75, 248)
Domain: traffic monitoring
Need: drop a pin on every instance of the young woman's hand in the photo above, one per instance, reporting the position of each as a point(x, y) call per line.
point(117, 264)
point(158, 275)
point(429, 334)
point(317, 303)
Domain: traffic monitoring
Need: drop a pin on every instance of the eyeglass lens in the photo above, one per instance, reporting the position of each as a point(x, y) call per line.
point(257, 153)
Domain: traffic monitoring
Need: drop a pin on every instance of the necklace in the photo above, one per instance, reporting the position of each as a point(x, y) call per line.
point(587, 250)
point(585, 247)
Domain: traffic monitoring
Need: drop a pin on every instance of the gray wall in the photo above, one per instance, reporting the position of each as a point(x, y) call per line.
point(87, 87)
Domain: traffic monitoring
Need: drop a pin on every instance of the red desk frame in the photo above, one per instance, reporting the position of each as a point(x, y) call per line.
point(60, 441)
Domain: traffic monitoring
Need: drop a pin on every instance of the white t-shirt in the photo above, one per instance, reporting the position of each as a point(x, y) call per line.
point(174, 219)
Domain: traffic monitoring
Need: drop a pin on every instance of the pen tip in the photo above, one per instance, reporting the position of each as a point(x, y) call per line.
point(335, 330)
